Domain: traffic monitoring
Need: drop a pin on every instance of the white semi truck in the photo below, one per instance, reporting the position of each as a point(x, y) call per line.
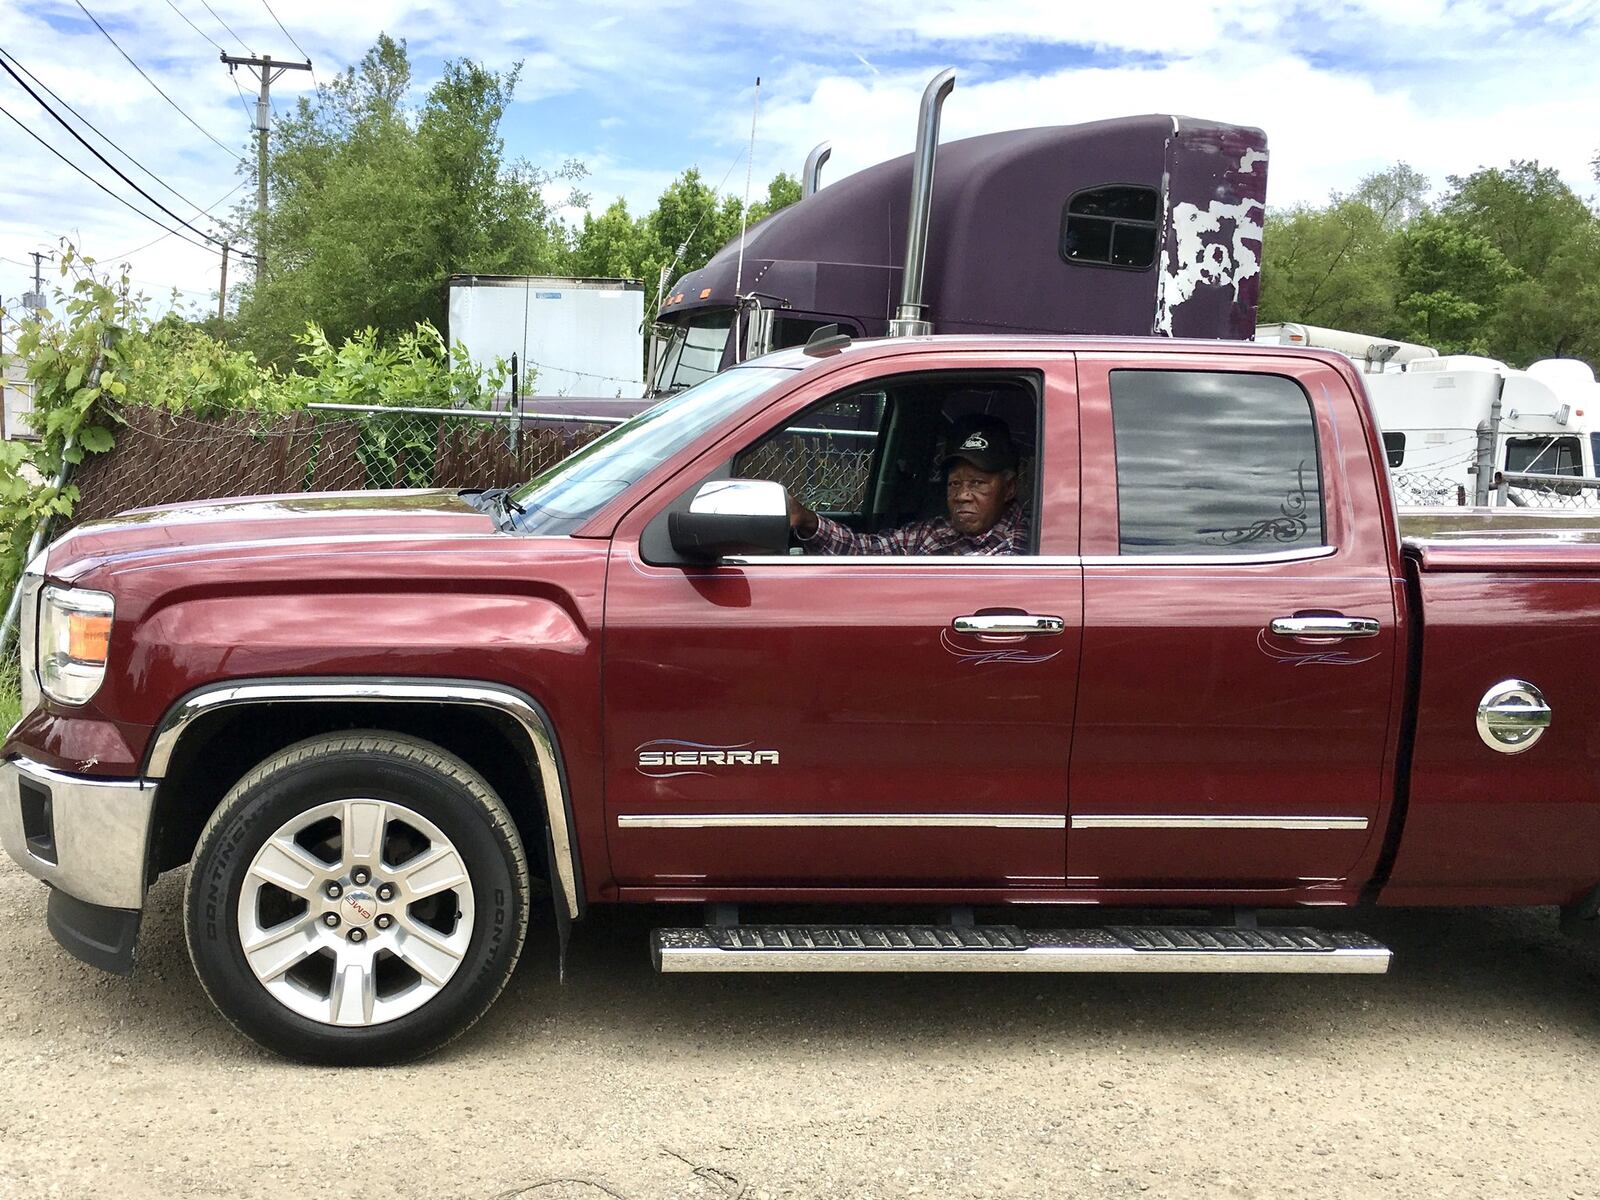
point(1445, 418)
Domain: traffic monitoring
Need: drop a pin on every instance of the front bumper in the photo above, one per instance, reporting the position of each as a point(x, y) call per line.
point(89, 840)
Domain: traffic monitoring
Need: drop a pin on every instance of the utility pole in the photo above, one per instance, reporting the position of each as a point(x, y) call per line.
point(35, 298)
point(267, 69)
point(222, 289)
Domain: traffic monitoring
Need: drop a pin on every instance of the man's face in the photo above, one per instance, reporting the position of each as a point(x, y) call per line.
point(976, 498)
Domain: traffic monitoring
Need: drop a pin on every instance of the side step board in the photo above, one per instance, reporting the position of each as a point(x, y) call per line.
point(1175, 948)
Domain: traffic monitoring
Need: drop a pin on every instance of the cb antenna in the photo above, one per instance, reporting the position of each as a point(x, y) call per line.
point(749, 170)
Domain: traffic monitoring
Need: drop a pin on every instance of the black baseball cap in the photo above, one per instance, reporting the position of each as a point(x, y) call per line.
point(985, 442)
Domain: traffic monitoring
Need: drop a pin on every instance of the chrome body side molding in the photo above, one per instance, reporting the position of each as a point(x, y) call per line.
point(840, 821)
point(1177, 821)
point(522, 709)
point(991, 562)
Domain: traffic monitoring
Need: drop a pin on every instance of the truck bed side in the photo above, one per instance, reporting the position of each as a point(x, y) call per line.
point(1502, 603)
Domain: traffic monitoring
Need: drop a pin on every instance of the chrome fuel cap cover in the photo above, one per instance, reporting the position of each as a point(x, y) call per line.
point(1512, 716)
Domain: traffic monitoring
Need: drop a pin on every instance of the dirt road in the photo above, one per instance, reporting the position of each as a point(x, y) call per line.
point(1469, 1071)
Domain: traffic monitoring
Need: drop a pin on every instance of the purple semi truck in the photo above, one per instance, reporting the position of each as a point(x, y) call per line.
point(1138, 225)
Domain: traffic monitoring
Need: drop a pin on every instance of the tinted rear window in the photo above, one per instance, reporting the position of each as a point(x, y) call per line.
point(1215, 463)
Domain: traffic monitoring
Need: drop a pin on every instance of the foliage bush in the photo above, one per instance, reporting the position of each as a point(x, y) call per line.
point(96, 350)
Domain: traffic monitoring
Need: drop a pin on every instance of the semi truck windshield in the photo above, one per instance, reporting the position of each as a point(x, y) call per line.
point(694, 351)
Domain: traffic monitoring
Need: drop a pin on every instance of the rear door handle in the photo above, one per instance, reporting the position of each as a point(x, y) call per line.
point(1009, 623)
point(1328, 627)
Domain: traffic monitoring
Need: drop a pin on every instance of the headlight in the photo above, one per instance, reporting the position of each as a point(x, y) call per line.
point(74, 639)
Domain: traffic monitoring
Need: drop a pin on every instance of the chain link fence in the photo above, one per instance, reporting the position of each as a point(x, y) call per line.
point(826, 469)
point(1413, 488)
point(167, 458)
point(1546, 491)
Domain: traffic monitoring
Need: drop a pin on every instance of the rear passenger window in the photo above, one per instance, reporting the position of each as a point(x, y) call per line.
point(1215, 463)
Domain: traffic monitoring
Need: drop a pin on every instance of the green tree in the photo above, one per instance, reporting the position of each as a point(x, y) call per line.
point(374, 206)
point(1398, 194)
point(1449, 283)
point(1328, 266)
point(1334, 265)
point(783, 191)
point(1550, 239)
point(612, 245)
point(1526, 211)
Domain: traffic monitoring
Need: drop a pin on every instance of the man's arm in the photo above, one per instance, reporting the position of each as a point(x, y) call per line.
point(819, 535)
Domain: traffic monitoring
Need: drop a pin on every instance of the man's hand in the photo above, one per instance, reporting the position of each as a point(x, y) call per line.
point(801, 519)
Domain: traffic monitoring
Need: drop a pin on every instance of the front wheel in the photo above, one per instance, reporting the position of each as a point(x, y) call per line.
point(358, 898)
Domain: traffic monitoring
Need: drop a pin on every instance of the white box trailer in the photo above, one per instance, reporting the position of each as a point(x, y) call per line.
point(568, 336)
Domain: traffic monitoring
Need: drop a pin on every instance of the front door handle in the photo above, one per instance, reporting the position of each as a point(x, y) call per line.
point(993, 623)
point(1327, 627)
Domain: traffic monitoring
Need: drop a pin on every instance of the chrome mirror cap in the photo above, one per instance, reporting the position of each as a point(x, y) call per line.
point(741, 498)
point(732, 516)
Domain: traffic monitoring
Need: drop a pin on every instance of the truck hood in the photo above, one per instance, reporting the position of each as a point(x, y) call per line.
point(305, 523)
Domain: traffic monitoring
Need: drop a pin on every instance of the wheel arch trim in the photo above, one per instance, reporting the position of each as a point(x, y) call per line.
point(527, 713)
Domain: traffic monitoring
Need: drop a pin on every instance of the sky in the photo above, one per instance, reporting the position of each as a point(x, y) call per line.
point(638, 92)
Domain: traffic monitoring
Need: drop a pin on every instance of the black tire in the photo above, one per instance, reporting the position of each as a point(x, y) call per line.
point(410, 774)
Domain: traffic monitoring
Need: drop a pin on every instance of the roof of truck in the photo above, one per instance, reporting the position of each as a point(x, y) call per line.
point(861, 348)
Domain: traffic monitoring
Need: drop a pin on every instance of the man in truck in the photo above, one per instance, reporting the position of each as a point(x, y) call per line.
point(982, 514)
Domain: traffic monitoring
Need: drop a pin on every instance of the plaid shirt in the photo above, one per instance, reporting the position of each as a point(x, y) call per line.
point(1009, 535)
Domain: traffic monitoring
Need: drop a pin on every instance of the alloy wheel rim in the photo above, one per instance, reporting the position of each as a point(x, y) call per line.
point(356, 912)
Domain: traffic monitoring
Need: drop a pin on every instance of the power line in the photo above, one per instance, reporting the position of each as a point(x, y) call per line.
point(229, 28)
point(193, 26)
point(117, 171)
point(153, 83)
point(5, 55)
point(290, 36)
point(119, 199)
point(165, 236)
point(243, 99)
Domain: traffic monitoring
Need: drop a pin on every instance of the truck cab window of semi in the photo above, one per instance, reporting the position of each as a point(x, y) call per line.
point(1214, 463)
point(694, 351)
point(1112, 226)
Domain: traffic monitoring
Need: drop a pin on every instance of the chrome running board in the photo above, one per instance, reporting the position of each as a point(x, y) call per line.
point(1167, 948)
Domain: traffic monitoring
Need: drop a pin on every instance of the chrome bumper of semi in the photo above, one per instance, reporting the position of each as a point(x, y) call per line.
point(83, 836)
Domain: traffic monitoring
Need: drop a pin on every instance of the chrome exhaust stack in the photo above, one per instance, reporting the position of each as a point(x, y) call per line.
point(811, 177)
point(908, 318)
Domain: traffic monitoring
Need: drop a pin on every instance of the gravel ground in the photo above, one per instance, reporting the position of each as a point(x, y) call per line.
point(1468, 1071)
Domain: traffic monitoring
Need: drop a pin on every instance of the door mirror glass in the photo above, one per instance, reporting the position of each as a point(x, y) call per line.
point(732, 516)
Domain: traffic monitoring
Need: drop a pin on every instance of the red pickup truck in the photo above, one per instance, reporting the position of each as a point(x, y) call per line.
point(377, 727)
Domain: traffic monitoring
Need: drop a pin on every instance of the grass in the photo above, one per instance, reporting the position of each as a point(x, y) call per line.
point(10, 693)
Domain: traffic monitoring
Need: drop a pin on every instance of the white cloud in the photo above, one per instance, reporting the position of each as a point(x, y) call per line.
point(1341, 87)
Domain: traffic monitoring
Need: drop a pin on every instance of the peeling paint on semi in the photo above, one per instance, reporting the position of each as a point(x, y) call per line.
point(1210, 263)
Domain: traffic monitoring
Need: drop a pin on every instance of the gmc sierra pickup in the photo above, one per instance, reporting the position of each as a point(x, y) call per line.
point(376, 726)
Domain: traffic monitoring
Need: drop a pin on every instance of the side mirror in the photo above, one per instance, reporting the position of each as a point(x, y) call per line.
point(757, 332)
point(732, 516)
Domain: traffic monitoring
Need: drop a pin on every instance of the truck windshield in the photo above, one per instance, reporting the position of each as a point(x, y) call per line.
point(560, 499)
point(694, 351)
